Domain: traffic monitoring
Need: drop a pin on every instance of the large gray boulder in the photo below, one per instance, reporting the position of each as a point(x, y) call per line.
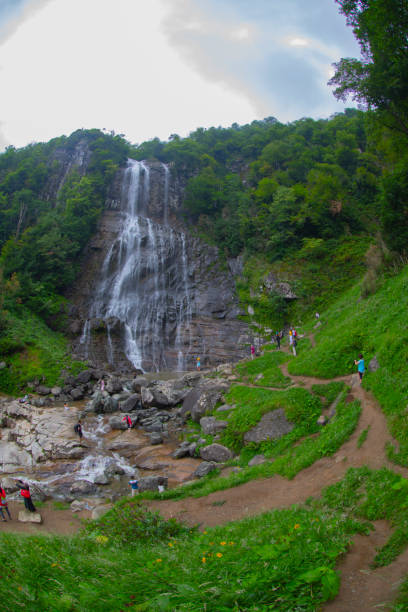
point(272, 426)
point(151, 483)
point(117, 422)
point(83, 377)
point(114, 385)
point(131, 403)
point(201, 400)
point(24, 516)
point(216, 452)
point(83, 487)
point(204, 468)
point(211, 426)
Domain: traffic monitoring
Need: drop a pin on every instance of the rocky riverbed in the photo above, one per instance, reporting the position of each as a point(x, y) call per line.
point(38, 442)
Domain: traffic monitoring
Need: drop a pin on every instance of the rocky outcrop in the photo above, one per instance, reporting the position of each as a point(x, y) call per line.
point(197, 315)
point(216, 452)
point(272, 426)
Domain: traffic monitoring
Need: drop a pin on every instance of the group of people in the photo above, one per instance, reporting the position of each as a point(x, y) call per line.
point(25, 494)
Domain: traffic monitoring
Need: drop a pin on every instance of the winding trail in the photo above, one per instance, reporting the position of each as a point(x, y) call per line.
point(361, 588)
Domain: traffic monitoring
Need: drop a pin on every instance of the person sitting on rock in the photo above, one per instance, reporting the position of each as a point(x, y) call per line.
point(26, 495)
point(78, 429)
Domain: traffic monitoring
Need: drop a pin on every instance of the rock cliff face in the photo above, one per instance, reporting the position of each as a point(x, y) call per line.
point(151, 296)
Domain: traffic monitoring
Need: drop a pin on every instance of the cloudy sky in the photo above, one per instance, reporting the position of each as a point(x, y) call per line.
point(147, 68)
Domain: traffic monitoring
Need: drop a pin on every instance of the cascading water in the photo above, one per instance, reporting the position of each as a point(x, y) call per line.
point(144, 281)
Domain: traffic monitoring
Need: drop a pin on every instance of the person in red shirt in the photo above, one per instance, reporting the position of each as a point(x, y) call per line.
point(128, 421)
point(26, 495)
point(3, 504)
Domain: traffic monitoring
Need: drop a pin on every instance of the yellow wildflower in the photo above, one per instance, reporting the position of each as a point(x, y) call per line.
point(171, 544)
point(219, 555)
point(158, 560)
point(101, 539)
point(203, 559)
point(297, 526)
point(223, 543)
point(231, 543)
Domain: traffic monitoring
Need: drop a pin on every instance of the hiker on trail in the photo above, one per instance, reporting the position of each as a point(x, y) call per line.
point(317, 316)
point(252, 351)
point(294, 345)
point(290, 337)
point(78, 429)
point(128, 421)
point(278, 338)
point(102, 384)
point(198, 363)
point(26, 495)
point(4, 504)
point(360, 366)
point(134, 486)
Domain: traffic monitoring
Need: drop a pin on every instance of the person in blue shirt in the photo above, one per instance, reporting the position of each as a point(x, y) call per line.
point(134, 486)
point(360, 366)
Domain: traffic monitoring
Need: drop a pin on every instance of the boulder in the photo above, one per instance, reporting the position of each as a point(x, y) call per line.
point(147, 397)
point(96, 403)
point(2, 365)
point(180, 452)
point(114, 385)
point(257, 460)
point(24, 516)
point(56, 390)
point(78, 506)
point(156, 438)
point(151, 483)
point(373, 366)
point(211, 426)
point(116, 422)
point(77, 393)
point(137, 384)
point(43, 390)
point(131, 403)
point(83, 487)
point(204, 468)
point(272, 426)
point(215, 452)
point(83, 377)
point(199, 402)
point(100, 511)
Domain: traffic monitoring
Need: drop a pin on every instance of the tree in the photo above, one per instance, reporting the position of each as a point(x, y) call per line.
point(378, 80)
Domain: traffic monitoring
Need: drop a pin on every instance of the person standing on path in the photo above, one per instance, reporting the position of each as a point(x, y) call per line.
point(198, 363)
point(252, 351)
point(278, 338)
point(360, 366)
point(134, 486)
point(78, 429)
point(4, 504)
point(26, 495)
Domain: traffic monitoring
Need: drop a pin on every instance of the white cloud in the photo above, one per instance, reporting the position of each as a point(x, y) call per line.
point(98, 63)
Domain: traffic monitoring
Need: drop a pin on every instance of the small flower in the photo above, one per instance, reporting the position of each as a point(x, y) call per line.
point(158, 560)
point(230, 543)
point(203, 559)
point(54, 564)
point(204, 532)
point(297, 526)
point(223, 543)
point(219, 555)
point(101, 539)
point(171, 544)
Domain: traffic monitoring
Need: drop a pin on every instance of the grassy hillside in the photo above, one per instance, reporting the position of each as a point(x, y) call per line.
point(376, 327)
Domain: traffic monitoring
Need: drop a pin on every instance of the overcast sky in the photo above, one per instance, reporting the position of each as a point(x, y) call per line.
point(147, 68)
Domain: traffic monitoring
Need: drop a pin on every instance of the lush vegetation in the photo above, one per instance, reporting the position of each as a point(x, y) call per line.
point(376, 327)
point(282, 560)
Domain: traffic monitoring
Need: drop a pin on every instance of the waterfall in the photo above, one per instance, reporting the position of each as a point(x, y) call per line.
point(144, 280)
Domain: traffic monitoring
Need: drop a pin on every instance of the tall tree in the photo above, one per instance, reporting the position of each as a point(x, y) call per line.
point(379, 79)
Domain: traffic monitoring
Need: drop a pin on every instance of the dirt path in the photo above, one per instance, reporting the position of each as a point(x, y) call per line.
point(361, 588)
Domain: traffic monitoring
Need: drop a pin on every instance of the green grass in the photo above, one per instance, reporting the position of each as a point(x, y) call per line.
point(267, 366)
point(376, 326)
point(279, 560)
point(32, 351)
point(288, 460)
